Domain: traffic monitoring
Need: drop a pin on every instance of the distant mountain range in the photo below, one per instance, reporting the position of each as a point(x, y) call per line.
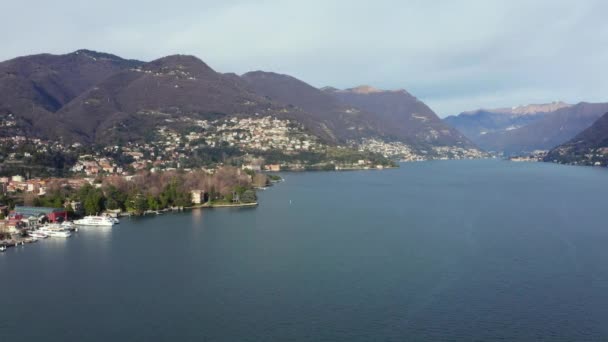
point(92, 97)
point(526, 128)
point(589, 147)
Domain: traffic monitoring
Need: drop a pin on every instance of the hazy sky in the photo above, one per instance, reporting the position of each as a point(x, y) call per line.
point(454, 55)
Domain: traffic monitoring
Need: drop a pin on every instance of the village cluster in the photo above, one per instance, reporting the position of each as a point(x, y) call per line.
point(403, 152)
point(171, 148)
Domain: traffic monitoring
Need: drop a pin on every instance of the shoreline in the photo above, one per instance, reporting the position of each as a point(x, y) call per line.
point(198, 206)
point(227, 205)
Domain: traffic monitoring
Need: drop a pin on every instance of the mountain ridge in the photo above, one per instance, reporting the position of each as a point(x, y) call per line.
point(589, 147)
point(94, 97)
point(518, 133)
point(403, 117)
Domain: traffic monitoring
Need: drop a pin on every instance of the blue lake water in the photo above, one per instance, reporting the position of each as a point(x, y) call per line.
point(441, 251)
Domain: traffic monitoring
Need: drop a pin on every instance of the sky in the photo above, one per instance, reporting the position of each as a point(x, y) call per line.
point(453, 55)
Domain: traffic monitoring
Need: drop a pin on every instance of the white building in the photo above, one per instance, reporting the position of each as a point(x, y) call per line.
point(198, 196)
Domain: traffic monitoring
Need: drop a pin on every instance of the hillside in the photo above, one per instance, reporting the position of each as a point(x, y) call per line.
point(169, 90)
point(32, 88)
point(589, 147)
point(516, 133)
point(401, 116)
point(475, 124)
point(101, 100)
point(341, 121)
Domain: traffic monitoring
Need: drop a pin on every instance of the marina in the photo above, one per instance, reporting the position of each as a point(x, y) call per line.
point(34, 232)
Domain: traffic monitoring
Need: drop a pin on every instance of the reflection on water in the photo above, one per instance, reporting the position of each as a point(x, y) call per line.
point(197, 216)
point(101, 232)
point(55, 242)
point(197, 226)
point(98, 237)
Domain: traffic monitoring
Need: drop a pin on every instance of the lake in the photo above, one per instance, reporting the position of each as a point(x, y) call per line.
point(438, 251)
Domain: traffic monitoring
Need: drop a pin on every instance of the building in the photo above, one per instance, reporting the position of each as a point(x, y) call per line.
point(252, 167)
point(198, 196)
point(53, 214)
point(273, 167)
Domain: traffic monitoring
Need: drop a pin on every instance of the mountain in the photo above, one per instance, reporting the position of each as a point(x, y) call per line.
point(98, 98)
point(523, 110)
point(168, 91)
point(341, 121)
point(527, 128)
point(401, 116)
point(589, 147)
point(32, 88)
point(475, 124)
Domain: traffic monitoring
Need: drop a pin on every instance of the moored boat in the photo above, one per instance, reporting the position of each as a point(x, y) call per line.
point(96, 221)
point(38, 234)
point(59, 233)
point(55, 230)
point(68, 225)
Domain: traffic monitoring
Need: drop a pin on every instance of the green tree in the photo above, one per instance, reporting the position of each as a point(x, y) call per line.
point(152, 203)
point(115, 199)
point(93, 203)
point(92, 199)
point(138, 203)
point(248, 196)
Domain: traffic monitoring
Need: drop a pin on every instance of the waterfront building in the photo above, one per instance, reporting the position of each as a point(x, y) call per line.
point(53, 214)
point(198, 196)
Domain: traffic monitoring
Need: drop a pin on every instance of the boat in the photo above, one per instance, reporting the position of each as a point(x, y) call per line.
point(2, 248)
point(55, 230)
point(38, 234)
point(59, 233)
point(96, 221)
point(68, 225)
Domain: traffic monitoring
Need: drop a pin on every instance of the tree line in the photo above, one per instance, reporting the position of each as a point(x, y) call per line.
point(154, 191)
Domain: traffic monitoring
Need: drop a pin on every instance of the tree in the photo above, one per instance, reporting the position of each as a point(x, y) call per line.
point(152, 203)
point(93, 203)
point(138, 203)
point(248, 196)
point(30, 199)
point(115, 199)
point(92, 199)
point(260, 180)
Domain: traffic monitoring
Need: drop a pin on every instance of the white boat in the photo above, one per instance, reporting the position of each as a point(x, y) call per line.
point(2, 248)
point(59, 233)
point(51, 226)
point(54, 230)
point(68, 225)
point(96, 221)
point(38, 234)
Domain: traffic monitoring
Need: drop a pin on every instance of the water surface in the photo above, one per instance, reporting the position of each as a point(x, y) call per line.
point(444, 251)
